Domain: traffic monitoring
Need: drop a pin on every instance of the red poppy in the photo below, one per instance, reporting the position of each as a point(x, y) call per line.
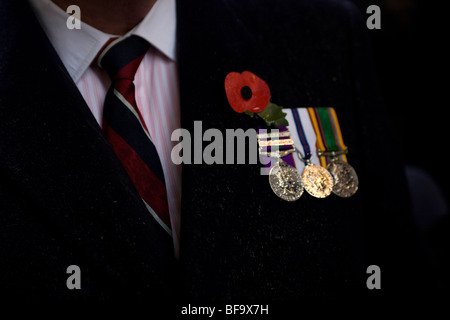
point(246, 91)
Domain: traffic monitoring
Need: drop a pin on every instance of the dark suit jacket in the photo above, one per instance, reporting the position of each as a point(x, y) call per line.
point(65, 199)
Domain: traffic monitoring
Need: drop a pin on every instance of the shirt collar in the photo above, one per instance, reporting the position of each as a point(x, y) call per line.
point(77, 48)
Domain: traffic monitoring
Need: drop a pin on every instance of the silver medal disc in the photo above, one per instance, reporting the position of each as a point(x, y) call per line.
point(345, 178)
point(285, 181)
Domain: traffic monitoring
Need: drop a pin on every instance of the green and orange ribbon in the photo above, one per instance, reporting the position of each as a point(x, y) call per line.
point(329, 136)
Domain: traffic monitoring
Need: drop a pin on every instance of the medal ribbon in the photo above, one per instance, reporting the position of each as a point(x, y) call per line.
point(301, 134)
point(289, 159)
point(328, 133)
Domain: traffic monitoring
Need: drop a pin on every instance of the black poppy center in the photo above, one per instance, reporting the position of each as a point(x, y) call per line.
point(246, 93)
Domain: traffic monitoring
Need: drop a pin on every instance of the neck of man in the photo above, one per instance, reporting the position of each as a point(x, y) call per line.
point(110, 16)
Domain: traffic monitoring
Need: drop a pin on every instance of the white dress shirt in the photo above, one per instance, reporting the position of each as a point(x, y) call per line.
point(156, 81)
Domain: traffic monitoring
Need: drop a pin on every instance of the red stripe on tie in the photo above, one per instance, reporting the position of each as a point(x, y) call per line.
point(125, 86)
point(129, 71)
point(150, 188)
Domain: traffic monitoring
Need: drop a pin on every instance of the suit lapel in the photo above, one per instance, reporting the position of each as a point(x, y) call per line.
point(54, 151)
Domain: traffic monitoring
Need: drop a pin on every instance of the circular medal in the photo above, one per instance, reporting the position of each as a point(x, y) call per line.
point(317, 181)
point(345, 178)
point(285, 181)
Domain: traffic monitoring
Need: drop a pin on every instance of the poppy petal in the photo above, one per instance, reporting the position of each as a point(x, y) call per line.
point(259, 96)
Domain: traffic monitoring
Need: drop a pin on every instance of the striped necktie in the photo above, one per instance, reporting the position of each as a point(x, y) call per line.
point(125, 128)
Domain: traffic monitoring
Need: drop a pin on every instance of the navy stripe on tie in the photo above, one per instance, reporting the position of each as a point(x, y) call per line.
point(122, 120)
point(117, 57)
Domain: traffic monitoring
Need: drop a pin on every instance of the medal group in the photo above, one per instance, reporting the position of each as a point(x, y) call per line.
point(334, 175)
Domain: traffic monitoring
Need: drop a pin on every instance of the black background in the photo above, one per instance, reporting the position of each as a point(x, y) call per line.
point(410, 56)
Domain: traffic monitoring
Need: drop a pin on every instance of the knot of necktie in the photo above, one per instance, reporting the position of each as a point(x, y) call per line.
point(120, 57)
